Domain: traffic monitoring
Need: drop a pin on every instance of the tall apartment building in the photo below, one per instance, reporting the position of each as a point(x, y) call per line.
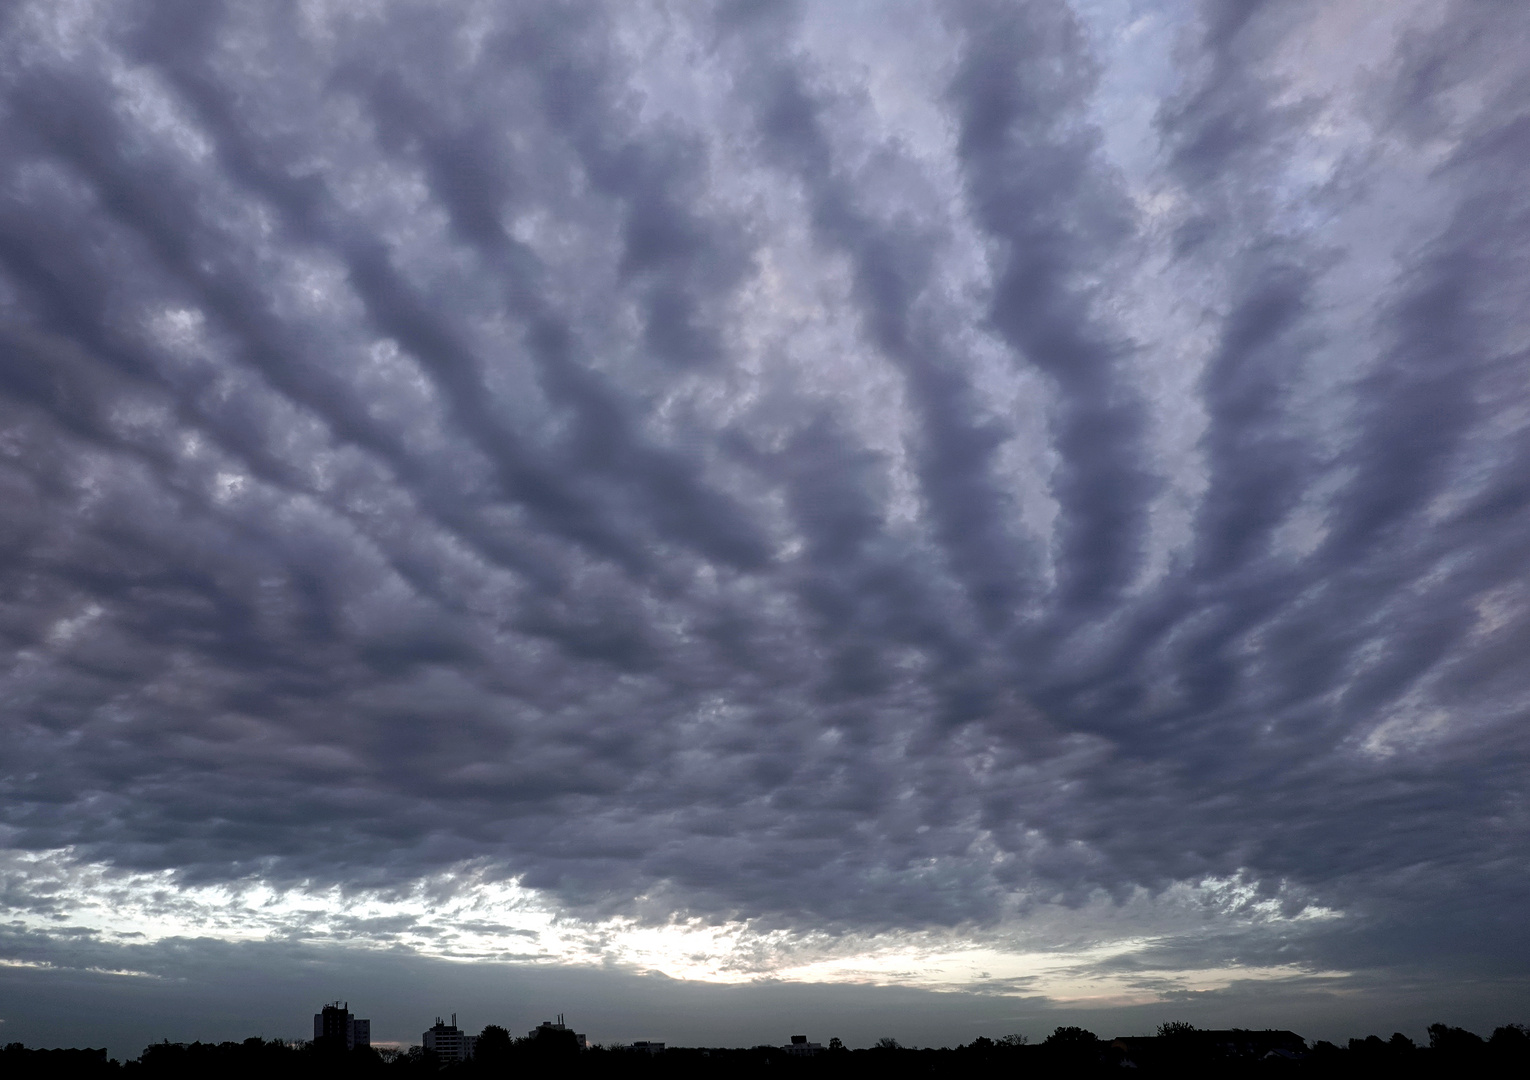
point(449, 1043)
point(334, 1026)
point(550, 1030)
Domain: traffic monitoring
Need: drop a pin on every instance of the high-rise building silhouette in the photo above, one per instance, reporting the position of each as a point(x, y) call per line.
point(553, 1029)
point(448, 1043)
point(335, 1027)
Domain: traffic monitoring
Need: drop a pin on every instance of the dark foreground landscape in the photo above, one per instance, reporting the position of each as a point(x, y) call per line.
point(1177, 1050)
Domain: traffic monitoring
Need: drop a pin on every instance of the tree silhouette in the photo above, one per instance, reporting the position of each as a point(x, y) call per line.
point(1454, 1042)
point(494, 1050)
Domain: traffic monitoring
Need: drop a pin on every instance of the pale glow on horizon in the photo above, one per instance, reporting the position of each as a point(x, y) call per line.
point(465, 915)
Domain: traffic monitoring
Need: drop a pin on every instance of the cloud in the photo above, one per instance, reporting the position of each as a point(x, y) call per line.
point(728, 468)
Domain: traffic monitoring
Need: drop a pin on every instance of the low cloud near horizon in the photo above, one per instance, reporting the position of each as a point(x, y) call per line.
point(987, 502)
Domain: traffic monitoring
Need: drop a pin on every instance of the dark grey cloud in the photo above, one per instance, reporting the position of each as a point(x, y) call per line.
point(729, 464)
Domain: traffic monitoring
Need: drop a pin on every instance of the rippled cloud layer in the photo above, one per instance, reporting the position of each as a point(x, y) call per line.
point(781, 485)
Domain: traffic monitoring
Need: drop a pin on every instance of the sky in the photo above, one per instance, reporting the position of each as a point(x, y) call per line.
point(731, 519)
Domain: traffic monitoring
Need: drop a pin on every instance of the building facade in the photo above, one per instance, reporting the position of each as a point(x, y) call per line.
point(335, 1027)
point(552, 1030)
point(448, 1043)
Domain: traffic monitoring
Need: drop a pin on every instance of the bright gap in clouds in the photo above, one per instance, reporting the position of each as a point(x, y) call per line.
point(1094, 954)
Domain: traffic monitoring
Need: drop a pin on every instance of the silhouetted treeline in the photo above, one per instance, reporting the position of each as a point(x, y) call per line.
point(1178, 1050)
